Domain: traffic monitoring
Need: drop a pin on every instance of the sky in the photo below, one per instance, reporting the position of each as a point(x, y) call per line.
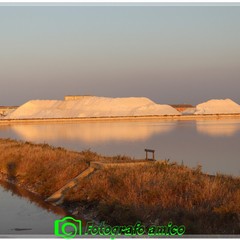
point(170, 54)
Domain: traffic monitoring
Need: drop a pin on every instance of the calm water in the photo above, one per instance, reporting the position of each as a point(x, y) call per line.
point(214, 144)
point(22, 213)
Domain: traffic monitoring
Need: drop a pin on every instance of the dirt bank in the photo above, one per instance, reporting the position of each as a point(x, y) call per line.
point(138, 118)
point(153, 194)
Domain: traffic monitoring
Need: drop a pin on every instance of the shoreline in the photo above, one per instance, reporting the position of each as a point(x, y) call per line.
point(28, 194)
point(122, 195)
point(125, 118)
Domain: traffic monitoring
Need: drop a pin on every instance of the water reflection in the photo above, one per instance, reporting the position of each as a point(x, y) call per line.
point(33, 198)
point(218, 128)
point(93, 132)
point(22, 212)
point(212, 143)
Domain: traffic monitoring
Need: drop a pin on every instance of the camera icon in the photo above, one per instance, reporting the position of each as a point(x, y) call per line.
point(67, 227)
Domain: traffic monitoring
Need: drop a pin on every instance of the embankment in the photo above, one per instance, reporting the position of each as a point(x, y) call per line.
point(152, 193)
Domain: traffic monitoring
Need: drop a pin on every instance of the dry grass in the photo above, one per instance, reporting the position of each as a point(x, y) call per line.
point(42, 168)
point(155, 194)
point(163, 192)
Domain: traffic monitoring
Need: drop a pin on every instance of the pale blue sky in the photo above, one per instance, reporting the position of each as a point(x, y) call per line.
point(170, 54)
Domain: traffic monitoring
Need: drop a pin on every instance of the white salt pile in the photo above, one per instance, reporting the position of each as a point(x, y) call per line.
point(217, 107)
point(90, 106)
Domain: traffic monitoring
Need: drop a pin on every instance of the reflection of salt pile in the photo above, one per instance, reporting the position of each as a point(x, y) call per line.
point(217, 107)
point(218, 128)
point(93, 132)
point(91, 107)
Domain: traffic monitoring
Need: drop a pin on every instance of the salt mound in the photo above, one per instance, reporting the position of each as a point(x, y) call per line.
point(217, 107)
point(91, 107)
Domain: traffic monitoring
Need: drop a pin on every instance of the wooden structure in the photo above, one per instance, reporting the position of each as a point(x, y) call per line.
point(150, 151)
